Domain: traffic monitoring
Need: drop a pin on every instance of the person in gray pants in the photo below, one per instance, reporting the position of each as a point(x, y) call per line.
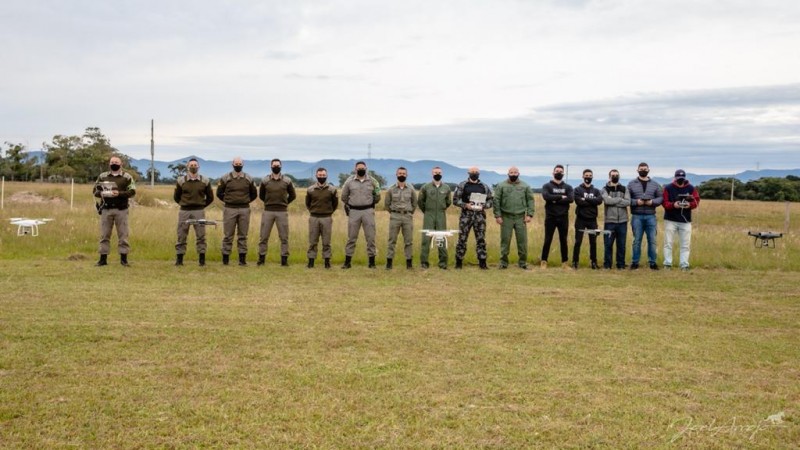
point(360, 194)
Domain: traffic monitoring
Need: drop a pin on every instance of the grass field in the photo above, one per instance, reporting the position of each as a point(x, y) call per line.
point(158, 356)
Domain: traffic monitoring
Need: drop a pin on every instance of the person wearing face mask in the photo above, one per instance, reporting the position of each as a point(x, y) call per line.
point(616, 198)
point(277, 192)
point(360, 194)
point(236, 189)
point(513, 211)
point(193, 193)
point(680, 198)
point(321, 202)
point(557, 195)
point(401, 202)
point(434, 199)
point(473, 216)
point(587, 199)
point(646, 195)
point(114, 209)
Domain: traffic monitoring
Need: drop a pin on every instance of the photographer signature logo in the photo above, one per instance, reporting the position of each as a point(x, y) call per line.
point(687, 427)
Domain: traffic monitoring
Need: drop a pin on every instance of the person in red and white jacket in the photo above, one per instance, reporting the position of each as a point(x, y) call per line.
point(680, 198)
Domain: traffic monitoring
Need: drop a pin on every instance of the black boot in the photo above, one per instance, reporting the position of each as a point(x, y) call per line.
point(482, 264)
point(459, 263)
point(226, 259)
point(347, 260)
point(327, 263)
point(202, 259)
point(242, 259)
point(371, 262)
point(408, 264)
point(123, 259)
point(594, 265)
point(262, 259)
point(388, 263)
point(310, 263)
point(178, 260)
point(285, 261)
point(103, 261)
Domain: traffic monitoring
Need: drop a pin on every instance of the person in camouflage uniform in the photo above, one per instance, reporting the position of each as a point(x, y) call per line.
point(473, 216)
point(113, 209)
point(513, 211)
point(360, 193)
point(433, 201)
point(401, 202)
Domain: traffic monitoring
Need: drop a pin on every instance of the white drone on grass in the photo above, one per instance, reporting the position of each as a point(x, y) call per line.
point(28, 226)
point(439, 237)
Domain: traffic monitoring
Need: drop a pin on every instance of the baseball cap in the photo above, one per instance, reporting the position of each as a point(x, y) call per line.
point(680, 173)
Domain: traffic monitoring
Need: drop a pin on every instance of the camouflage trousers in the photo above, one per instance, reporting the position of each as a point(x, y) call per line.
point(475, 220)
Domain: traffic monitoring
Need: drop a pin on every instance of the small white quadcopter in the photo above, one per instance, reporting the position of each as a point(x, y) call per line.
point(27, 226)
point(439, 237)
point(202, 222)
point(596, 231)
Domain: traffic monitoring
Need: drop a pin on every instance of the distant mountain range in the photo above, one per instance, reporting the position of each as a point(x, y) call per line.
point(418, 171)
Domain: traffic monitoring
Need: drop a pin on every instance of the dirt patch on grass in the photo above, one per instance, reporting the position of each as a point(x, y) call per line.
point(30, 198)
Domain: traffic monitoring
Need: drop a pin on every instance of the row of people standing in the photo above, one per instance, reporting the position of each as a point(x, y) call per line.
point(512, 204)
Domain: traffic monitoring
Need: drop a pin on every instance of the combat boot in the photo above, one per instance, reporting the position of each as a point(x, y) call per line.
point(459, 263)
point(103, 261)
point(284, 261)
point(179, 260)
point(371, 262)
point(310, 263)
point(226, 259)
point(327, 263)
point(408, 264)
point(262, 259)
point(242, 259)
point(388, 263)
point(482, 264)
point(347, 260)
point(202, 259)
point(123, 259)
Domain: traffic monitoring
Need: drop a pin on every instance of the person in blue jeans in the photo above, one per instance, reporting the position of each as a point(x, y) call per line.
point(617, 199)
point(646, 195)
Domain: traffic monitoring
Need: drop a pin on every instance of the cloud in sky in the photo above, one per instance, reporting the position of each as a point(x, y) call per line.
point(515, 76)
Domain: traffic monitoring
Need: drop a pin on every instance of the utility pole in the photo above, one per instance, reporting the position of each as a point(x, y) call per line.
point(369, 152)
point(152, 156)
point(733, 181)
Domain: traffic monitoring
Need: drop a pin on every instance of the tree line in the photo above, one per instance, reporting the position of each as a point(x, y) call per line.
point(768, 189)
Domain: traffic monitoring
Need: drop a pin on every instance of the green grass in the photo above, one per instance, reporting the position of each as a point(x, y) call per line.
point(158, 356)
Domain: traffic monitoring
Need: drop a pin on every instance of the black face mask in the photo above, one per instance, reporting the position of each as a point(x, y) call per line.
point(513, 178)
point(361, 172)
point(437, 177)
point(238, 168)
point(558, 176)
point(276, 169)
point(322, 180)
point(115, 167)
point(588, 180)
point(474, 176)
point(643, 173)
point(680, 181)
point(615, 179)
point(401, 179)
point(192, 170)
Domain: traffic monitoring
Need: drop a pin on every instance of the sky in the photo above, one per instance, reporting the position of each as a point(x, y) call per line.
point(710, 86)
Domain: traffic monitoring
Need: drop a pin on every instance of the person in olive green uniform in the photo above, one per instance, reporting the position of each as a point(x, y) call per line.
point(113, 209)
point(236, 189)
point(321, 201)
point(276, 191)
point(193, 193)
point(434, 199)
point(513, 211)
point(401, 202)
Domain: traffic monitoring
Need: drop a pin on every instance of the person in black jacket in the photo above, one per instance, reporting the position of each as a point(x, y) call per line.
point(587, 199)
point(557, 196)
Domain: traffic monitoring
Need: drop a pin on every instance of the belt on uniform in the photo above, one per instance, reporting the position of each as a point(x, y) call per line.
point(361, 208)
point(401, 212)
